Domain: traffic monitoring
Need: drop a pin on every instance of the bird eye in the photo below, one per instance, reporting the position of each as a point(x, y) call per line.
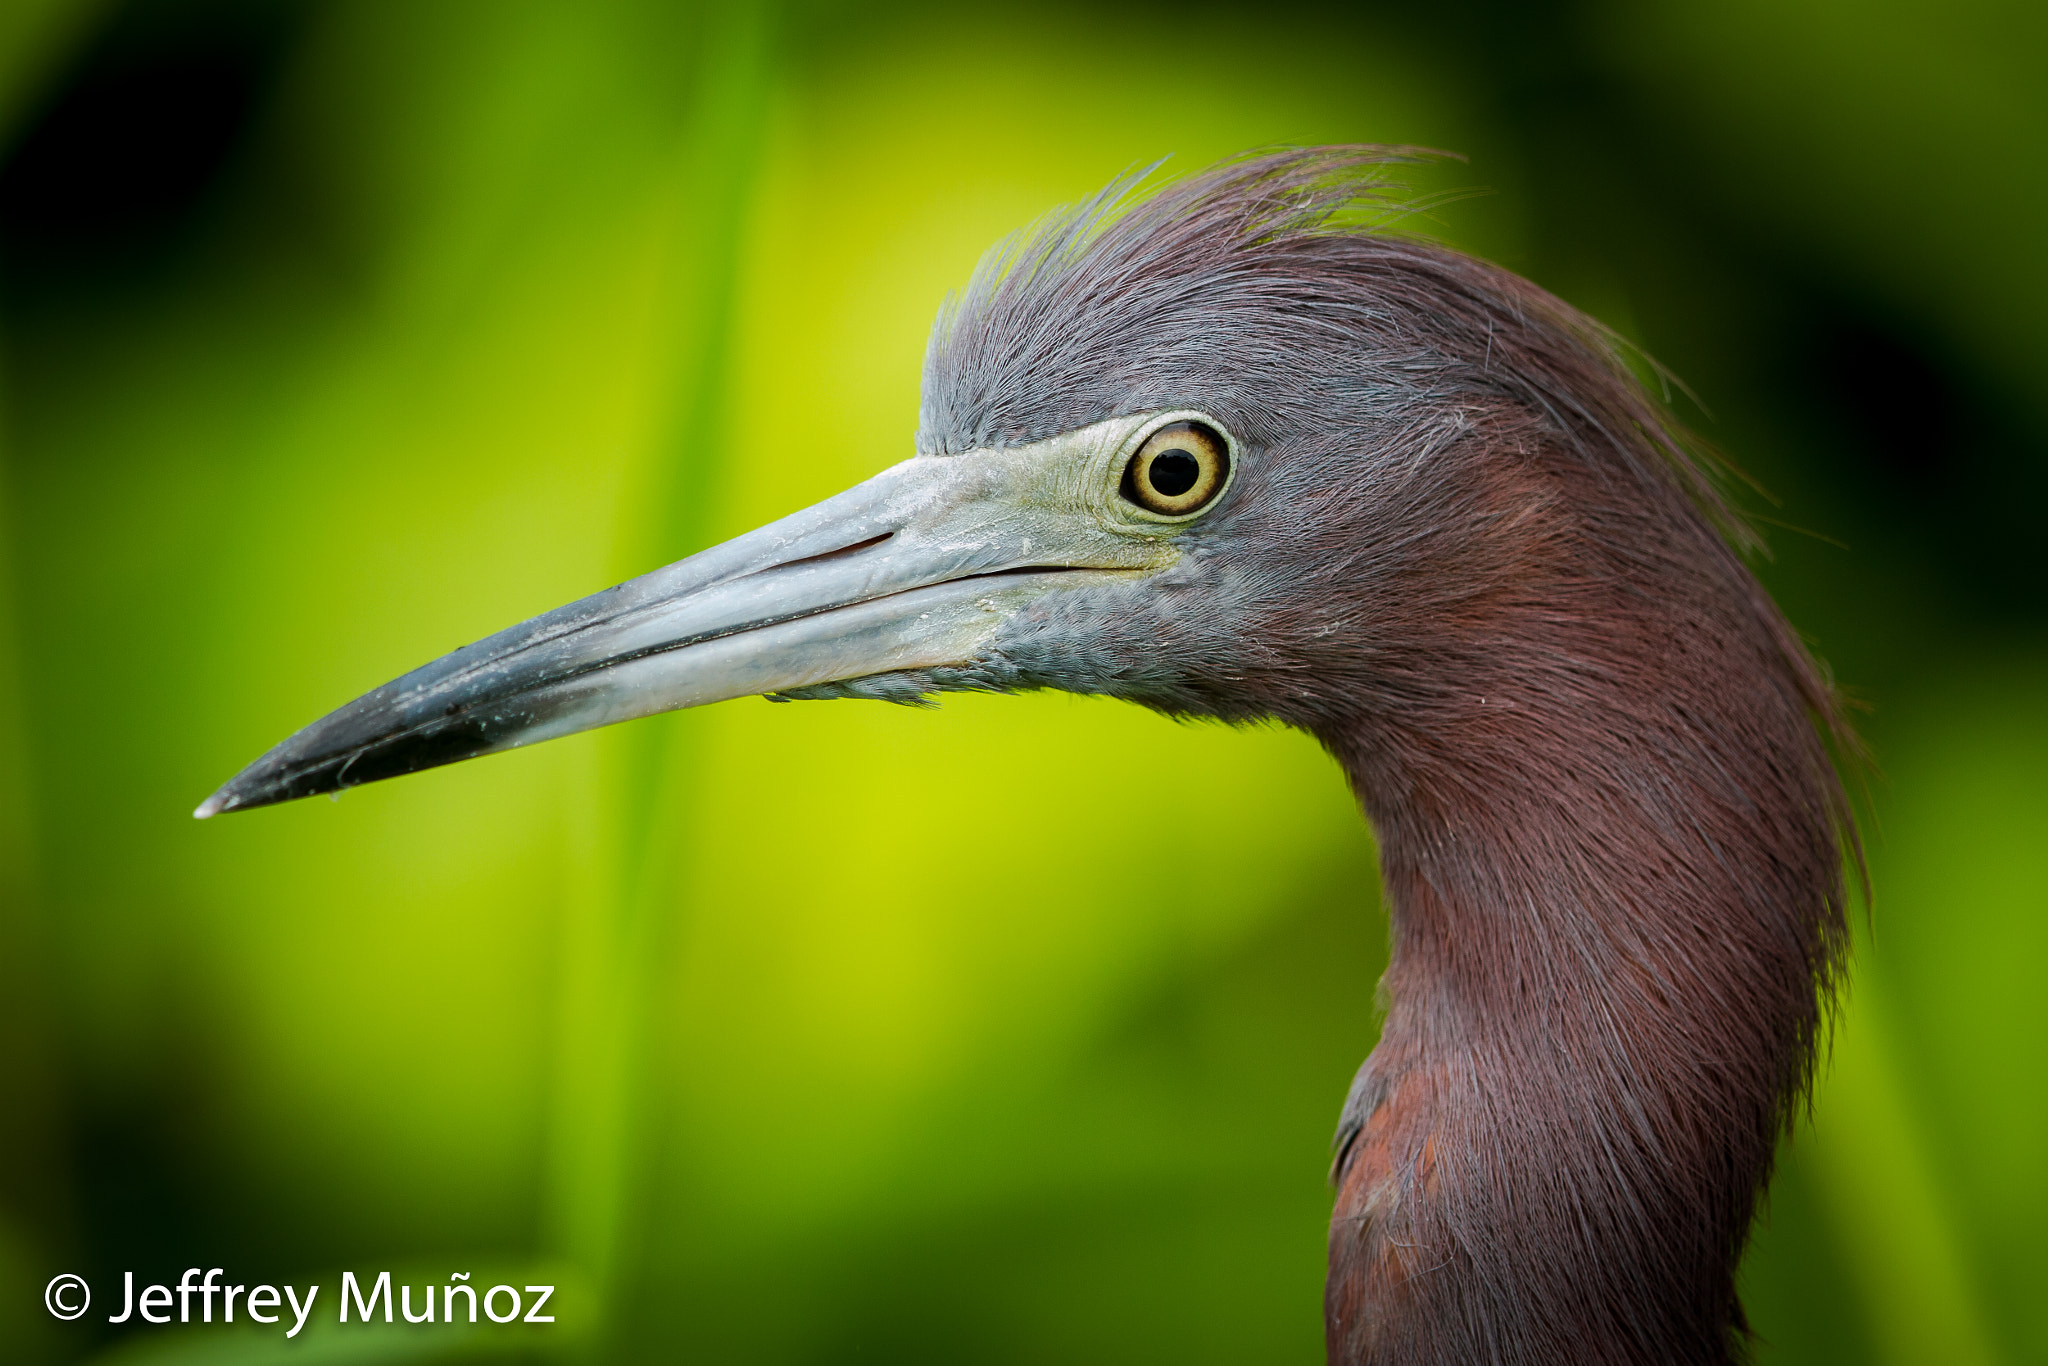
point(1178, 469)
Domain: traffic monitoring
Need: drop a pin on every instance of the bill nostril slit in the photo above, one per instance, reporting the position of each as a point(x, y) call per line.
point(840, 553)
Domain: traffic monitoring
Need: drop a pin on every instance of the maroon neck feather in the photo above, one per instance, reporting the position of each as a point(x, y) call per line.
point(1609, 836)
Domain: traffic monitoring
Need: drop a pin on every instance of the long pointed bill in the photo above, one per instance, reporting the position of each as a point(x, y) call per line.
point(914, 569)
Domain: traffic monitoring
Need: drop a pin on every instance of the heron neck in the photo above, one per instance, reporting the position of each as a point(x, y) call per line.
point(1600, 999)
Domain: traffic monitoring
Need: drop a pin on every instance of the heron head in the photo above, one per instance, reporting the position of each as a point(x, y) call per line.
point(1174, 448)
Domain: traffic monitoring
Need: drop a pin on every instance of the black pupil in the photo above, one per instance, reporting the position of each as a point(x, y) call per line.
point(1174, 472)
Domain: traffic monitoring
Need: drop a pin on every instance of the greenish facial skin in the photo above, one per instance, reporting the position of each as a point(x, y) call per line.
point(914, 572)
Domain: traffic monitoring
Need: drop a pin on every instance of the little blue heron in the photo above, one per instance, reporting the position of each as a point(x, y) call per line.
point(1232, 449)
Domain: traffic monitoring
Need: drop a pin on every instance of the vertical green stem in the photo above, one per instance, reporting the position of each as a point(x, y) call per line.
point(612, 1103)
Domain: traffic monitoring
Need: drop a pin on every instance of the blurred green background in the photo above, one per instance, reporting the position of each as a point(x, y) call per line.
point(334, 335)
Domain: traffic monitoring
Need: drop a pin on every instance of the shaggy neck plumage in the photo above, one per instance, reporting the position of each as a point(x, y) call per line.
point(1607, 840)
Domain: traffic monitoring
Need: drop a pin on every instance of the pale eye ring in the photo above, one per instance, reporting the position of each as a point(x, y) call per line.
point(1178, 470)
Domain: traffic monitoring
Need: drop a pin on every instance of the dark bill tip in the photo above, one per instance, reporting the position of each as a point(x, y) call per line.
point(281, 776)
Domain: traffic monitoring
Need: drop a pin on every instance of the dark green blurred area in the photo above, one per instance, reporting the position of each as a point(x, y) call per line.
point(338, 334)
